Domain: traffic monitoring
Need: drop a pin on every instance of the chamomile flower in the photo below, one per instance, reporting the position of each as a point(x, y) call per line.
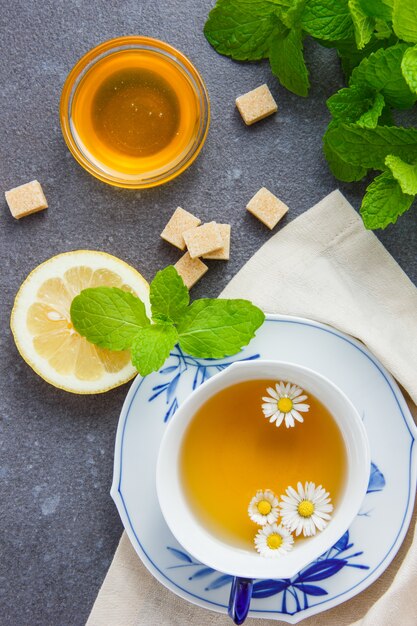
point(264, 507)
point(285, 402)
point(273, 540)
point(306, 510)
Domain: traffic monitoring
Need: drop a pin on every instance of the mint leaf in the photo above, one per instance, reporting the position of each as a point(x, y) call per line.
point(370, 118)
point(340, 168)
point(368, 147)
point(384, 202)
point(243, 29)
point(351, 56)
point(404, 173)
point(404, 19)
point(409, 68)
point(151, 347)
point(291, 15)
point(108, 317)
point(168, 295)
point(382, 71)
point(218, 328)
point(362, 23)
point(328, 20)
point(348, 104)
point(287, 62)
point(358, 104)
point(382, 29)
point(381, 9)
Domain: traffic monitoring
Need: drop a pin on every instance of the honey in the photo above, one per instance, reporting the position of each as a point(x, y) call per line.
point(135, 112)
point(230, 451)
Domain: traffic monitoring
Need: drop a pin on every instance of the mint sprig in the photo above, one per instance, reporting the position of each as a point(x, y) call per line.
point(168, 295)
point(151, 347)
point(208, 328)
point(109, 317)
point(384, 201)
point(216, 328)
point(375, 40)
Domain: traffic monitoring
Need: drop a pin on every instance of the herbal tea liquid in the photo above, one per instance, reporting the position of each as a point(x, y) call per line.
point(134, 111)
point(230, 450)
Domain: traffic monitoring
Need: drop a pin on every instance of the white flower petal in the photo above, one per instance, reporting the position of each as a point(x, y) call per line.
point(280, 387)
point(298, 399)
point(279, 419)
point(289, 420)
point(295, 494)
point(295, 414)
point(269, 401)
point(272, 393)
point(304, 408)
point(294, 392)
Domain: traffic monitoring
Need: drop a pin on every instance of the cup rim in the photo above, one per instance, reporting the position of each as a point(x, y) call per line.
point(215, 552)
point(111, 46)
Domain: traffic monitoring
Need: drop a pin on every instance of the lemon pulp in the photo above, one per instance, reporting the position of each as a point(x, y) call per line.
point(41, 321)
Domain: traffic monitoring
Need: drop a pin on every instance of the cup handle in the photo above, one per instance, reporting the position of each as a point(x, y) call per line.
point(240, 597)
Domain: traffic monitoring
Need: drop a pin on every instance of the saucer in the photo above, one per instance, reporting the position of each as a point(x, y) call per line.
point(359, 557)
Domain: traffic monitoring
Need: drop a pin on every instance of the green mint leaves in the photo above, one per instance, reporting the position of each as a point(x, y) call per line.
point(216, 328)
point(384, 202)
point(404, 19)
point(208, 328)
point(362, 136)
point(328, 20)
point(250, 30)
point(409, 68)
point(108, 317)
point(382, 71)
point(151, 347)
point(168, 295)
point(376, 41)
point(287, 62)
point(242, 29)
point(368, 147)
point(404, 173)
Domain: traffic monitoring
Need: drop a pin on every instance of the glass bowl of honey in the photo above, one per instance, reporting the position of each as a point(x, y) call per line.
point(134, 112)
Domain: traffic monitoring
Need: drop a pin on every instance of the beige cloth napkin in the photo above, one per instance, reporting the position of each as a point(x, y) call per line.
point(326, 266)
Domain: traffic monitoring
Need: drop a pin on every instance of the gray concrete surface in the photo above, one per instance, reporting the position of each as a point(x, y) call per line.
point(59, 527)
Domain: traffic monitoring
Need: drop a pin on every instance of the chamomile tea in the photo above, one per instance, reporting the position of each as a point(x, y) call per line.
point(248, 438)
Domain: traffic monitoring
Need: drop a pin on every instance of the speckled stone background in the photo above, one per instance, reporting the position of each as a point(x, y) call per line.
point(59, 527)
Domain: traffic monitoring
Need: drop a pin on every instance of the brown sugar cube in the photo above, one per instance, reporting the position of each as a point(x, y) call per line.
point(180, 221)
point(203, 239)
point(256, 104)
point(223, 253)
point(190, 270)
point(267, 208)
point(26, 199)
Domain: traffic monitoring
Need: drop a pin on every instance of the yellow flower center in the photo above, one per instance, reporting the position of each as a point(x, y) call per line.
point(274, 541)
point(285, 405)
point(264, 507)
point(306, 508)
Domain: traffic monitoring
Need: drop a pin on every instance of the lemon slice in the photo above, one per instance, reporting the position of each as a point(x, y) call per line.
point(41, 322)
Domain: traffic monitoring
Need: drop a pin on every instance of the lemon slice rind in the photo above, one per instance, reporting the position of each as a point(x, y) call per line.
point(27, 295)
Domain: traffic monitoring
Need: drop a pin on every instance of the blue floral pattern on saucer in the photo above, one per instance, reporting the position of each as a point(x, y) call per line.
point(364, 551)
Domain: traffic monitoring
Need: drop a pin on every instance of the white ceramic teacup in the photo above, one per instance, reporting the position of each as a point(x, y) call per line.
point(212, 550)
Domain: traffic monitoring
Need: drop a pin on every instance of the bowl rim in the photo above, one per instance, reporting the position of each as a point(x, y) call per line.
point(131, 42)
point(211, 550)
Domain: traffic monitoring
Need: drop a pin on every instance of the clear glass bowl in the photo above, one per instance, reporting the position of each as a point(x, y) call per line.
point(178, 162)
